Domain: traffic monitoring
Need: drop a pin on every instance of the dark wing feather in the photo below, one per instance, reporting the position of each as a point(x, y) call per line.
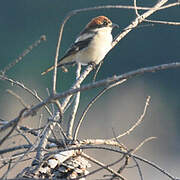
point(77, 47)
point(74, 48)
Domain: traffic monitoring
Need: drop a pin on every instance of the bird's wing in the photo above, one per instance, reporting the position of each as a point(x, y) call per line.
point(68, 58)
point(77, 46)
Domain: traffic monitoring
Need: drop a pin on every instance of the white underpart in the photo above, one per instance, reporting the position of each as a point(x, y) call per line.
point(97, 48)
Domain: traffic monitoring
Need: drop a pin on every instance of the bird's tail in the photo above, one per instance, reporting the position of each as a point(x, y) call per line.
point(59, 65)
point(47, 70)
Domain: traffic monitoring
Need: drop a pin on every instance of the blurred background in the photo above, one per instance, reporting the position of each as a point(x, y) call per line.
point(23, 22)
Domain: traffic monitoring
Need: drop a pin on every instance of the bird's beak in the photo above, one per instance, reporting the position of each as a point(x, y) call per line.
point(114, 25)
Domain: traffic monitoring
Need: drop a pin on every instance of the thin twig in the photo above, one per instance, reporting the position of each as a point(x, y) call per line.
point(4, 151)
point(18, 161)
point(135, 8)
point(27, 51)
point(117, 39)
point(111, 80)
point(102, 165)
point(24, 136)
point(18, 98)
point(133, 155)
point(56, 60)
point(33, 93)
point(162, 22)
point(97, 70)
point(91, 103)
point(138, 167)
point(169, 5)
point(100, 83)
point(14, 125)
point(137, 123)
point(137, 21)
point(142, 143)
point(155, 166)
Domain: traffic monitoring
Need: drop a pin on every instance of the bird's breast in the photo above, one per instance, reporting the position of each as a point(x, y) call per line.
point(97, 49)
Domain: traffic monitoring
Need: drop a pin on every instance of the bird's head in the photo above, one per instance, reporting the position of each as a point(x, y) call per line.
point(98, 23)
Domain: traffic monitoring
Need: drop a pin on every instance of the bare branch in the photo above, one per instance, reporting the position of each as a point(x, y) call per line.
point(3, 151)
point(131, 155)
point(112, 80)
point(13, 124)
point(75, 106)
point(76, 84)
point(103, 142)
point(45, 135)
point(90, 105)
point(162, 22)
point(135, 8)
point(170, 5)
point(142, 143)
point(137, 21)
point(27, 51)
point(18, 98)
point(137, 123)
point(133, 25)
point(102, 165)
point(33, 93)
point(97, 84)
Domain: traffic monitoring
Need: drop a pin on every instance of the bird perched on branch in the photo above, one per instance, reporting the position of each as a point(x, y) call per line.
point(92, 45)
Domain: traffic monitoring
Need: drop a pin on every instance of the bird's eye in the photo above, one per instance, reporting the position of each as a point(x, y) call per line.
point(105, 23)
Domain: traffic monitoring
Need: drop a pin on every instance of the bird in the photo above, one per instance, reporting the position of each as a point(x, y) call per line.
point(92, 44)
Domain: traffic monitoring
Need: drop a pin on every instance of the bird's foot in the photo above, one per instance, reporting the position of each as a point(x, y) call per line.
point(93, 64)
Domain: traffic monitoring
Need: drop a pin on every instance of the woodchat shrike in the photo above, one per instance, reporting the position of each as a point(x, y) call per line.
point(92, 44)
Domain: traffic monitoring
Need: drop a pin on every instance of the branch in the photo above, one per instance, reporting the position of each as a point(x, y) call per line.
point(90, 105)
point(13, 124)
point(110, 81)
point(137, 21)
point(27, 51)
point(33, 93)
point(102, 165)
point(76, 84)
point(163, 22)
point(131, 155)
point(100, 83)
point(137, 123)
point(75, 106)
